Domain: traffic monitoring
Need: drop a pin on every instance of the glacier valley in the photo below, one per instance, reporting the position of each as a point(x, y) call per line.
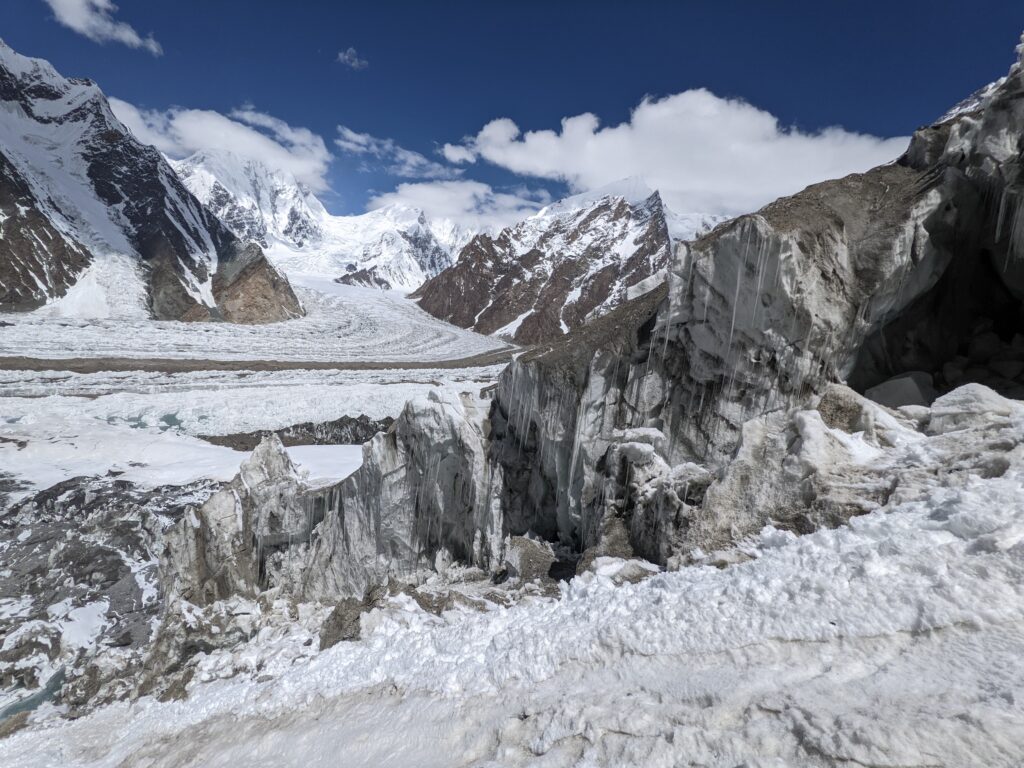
point(611, 486)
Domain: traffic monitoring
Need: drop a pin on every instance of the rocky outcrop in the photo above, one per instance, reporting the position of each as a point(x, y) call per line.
point(345, 430)
point(85, 202)
point(571, 262)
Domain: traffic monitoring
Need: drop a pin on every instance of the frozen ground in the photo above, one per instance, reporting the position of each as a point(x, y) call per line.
point(895, 641)
point(54, 426)
point(224, 402)
point(326, 464)
point(342, 324)
point(58, 425)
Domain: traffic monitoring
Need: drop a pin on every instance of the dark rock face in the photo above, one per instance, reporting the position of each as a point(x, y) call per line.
point(33, 248)
point(343, 622)
point(347, 430)
point(527, 559)
point(248, 289)
point(74, 183)
point(367, 278)
point(549, 274)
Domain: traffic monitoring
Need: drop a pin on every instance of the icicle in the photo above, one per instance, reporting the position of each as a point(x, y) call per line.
point(575, 445)
point(1015, 248)
point(762, 257)
point(740, 269)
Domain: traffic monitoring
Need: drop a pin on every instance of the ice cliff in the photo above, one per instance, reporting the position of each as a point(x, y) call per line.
point(691, 416)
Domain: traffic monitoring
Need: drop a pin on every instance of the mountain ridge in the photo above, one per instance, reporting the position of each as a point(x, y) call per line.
point(572, 261)
point(81, 198)
point(395, 246)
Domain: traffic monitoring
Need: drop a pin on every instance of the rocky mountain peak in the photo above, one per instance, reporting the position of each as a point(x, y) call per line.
point(254, 201)
point(396, 246)
point(572, 261)
point(80, 195)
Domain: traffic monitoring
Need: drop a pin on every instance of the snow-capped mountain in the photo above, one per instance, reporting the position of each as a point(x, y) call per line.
point(94, 223)
point(393, 247)
point(570, 262)
point(255, 202)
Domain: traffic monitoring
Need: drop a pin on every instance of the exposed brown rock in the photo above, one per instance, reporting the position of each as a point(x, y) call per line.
point(552, 274)
point(47, 239)
point(257, 293)
point(37, 262)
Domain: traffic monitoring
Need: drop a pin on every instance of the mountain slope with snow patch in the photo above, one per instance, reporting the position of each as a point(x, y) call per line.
point(83, 202)
point(572, 261)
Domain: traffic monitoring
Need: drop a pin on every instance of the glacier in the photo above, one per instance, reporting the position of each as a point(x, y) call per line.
point(767, 509)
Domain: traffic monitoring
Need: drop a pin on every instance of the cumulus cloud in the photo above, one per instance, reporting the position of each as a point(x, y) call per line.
point(179, 132)
point(94, 19)
point(351, 59)
point(390, 157)
point(703, 152)
point(469, 203)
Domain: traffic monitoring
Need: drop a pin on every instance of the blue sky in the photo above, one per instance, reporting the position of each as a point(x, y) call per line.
point(422, 75)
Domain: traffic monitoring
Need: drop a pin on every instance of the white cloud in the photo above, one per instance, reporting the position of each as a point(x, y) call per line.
point(350, 58)
point(703, 152)
point(469, 203)
point(180, 132)
point(94, 19)
point(393, 159)
point(456, 153)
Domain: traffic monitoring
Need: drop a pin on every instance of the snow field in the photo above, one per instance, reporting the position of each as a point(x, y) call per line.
point(344, 324)
point(893, 641)
point(144, 424)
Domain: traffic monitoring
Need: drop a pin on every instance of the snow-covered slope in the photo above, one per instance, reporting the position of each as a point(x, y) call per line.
point(572, 261)
point(891, 641)
point(255, 202)
point(393, 247)
point(89, 214)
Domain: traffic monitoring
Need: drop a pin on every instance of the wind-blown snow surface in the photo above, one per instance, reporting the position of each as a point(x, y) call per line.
point(342, 324)
point(895, 641)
